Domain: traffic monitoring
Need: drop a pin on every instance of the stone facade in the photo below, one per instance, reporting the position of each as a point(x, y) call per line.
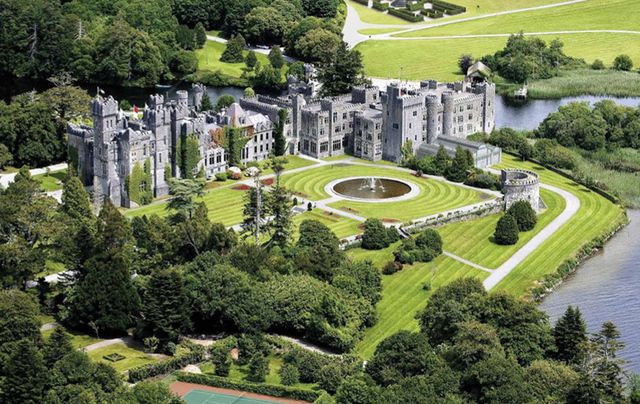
point(367, 123)
point(521, 185)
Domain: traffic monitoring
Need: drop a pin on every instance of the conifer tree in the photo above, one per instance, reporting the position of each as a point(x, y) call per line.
point(457, 171)
point(441, 161)
point(206, 104)
point(608, 375)
point(506, 231)
point(524, 214)
point(280, 205)
point(258, 368)
point(251, 60)
point(200, 34)
point(57, 346)
point(275, 57)
point(341, 71)
point(570, 333)
point(233, 52)
point(165, 306)
point(279, 141)
point(75, 200)
point(25, 375)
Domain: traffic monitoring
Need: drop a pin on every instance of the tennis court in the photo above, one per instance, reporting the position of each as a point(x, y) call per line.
point(209, 397)
point(201, 394)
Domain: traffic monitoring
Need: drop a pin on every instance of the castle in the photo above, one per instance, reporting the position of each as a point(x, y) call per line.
point(367, 123)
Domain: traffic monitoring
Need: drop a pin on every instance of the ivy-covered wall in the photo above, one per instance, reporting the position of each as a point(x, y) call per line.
point(233, 142)
point(139, 184)
point(188, 155)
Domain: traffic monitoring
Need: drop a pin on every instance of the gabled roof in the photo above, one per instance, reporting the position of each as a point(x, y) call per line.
point(479, 68)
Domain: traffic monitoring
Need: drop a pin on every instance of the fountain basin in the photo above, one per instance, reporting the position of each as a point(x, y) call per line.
point(372, 189)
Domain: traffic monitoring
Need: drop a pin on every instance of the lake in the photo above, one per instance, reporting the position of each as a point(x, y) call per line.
point(605, 288)
point(527, 115)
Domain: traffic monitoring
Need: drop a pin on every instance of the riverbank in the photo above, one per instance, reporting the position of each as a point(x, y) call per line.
point(572, 83)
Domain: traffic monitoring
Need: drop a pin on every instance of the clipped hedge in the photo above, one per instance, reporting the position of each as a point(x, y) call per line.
point(380, 6)
point(363, 2)
point(405, 15)
point(432, 13)
point(415, 6)
point(449, 8)
point(273, 390)
point(160, 368)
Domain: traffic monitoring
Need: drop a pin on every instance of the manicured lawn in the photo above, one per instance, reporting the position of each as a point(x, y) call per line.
point(209, 59)
point(53, 181)
point(134, 357)
point(435, 195)
point(590, 14)
point(51, 267)
point(341, 226)
point(225, 206)
point(293, 162)
point(403, 297)
point(420, 59)
point(374, 16)
point(379, 31)
point(595, 216)
point(472, 240)
point(78, 340)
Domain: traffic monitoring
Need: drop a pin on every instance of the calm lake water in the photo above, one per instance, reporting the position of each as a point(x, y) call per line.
point(605, 288)
point(528, 115)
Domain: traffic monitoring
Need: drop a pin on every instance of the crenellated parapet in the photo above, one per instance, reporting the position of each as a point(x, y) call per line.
point(519, 185)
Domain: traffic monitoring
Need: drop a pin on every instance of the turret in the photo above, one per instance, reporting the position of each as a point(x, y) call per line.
point(432, 118)
point(197, 92)
point(447, 115)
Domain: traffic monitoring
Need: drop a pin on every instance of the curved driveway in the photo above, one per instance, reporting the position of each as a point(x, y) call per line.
point(572, 206)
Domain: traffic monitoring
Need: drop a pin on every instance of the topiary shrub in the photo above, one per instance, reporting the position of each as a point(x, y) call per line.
point(506, 231)
point(524, 214)
point(258, 368)
point(430, 239)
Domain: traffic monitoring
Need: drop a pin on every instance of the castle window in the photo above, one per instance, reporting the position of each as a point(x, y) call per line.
point(344, 115)
point(415, 113)
point(469, 106)
point(470, 116)
point(144, 152)
point(324, 147)
point(336, 145)
point(460, 129)
point(335, 116)
point(261, 148)
point(219, 158)
point(261, 137)
point(395, 126)
point(211, 159)
point(461, 108)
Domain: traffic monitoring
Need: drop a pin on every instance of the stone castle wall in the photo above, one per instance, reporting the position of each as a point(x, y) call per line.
point(521, 185)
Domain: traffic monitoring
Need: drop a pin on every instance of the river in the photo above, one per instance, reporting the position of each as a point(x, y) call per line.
point(605, 288)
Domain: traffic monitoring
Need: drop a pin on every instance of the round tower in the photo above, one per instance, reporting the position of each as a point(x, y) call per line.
point(521, 185)
point(432, 118)
point(447, 115)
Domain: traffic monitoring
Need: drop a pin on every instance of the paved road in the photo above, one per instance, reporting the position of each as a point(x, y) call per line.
point(109, 342)
point(389, 37)
point(572, 206)
point(353, 22)
point(6, 179)
point(289, 59)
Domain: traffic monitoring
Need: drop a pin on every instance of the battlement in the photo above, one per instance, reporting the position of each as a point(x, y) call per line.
point(104, 107)
point(155, 101)
point(514, 177)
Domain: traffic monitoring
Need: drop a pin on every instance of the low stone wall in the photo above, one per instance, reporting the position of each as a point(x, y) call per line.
point(460, 215)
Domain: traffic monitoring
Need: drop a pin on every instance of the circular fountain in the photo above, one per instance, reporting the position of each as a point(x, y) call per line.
point(372, 189)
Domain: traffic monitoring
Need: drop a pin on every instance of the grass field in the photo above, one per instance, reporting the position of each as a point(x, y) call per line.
point(403, 295)
point(372, 16)
point(225, 204)
point(134, 357)
point(595, 216)
point(586, 81)
point(472, 240)
point(590, 14)
point(209, 60)
point(379, 31)
point(341, 226)
point(435, 196)
point(77, 340)
point(53, 181)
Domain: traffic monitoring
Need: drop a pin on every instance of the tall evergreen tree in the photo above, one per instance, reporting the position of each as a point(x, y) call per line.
point(441, 161)
point(206, 104)
point(275, 57)
point(457, 171)
point(506, 231)
point(609, 373)
point(200, 35)
point(280, 207)
point(25, 375)
point(75, 200)
point(233, 52)
point(279, 141)
point(165, 306)
point(251, 60)
point(57, 346)
point(570, 333)
point(341, 71)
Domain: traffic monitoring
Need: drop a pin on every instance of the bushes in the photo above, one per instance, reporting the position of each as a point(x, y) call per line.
point(425, 247)
point(154, 369)
point(405, 15)
point(506, 231)
point(392, 267)
point(266, 389)
point(380, 6)
point(449, 8)
point(623, 63)
point(524, 214)
point(415, 6)
point(221, 177)
point(480, 179)
point(432, 13)
point(363, 2)
point(376, 236)
point(289, 375)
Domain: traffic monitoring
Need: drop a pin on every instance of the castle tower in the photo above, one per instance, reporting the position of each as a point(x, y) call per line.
point(157, 120)
point(448, 111)
point(106, 180)
point(297, 103)
point(432, 118)
point(489, 91)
